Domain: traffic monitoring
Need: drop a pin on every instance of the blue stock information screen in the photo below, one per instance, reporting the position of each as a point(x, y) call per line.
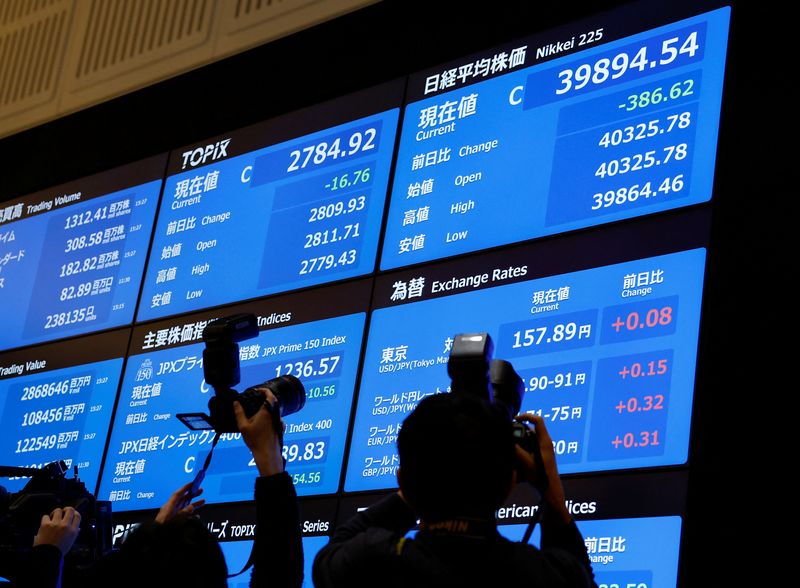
point(607, 356)
point(61, 414)
point(83, 260)
point(614, 131)
point(366, 232)
point(629, 553)
point(302, 212)
point(151, 453)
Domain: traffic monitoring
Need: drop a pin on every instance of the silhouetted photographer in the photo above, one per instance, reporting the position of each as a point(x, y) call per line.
point(176, 549)
point(460, 455)
point(41, 534)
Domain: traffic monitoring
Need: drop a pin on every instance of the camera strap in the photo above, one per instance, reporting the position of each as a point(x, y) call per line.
point(198, 480)
point(247, 564)
point(201, 475)
point(537, 516)
point(277, 425)
point(465, 527)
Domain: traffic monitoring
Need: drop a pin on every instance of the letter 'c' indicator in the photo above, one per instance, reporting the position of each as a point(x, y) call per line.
point(514, 97)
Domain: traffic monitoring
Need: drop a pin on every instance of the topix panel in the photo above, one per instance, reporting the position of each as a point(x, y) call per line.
point(292, 202)
point(607, 355)
point(81, 248)
point(566, 130)
point(56, 403)
point(314, 335)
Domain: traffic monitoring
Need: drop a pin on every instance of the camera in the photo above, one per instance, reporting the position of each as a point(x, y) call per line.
point(473, 371)
point(222, 371)
point(49, 488)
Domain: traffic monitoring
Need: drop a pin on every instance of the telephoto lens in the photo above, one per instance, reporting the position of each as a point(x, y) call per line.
point(288, 391)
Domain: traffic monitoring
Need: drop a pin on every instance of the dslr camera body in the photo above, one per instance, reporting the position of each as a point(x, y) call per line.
point(222, 371)
point(473, 370)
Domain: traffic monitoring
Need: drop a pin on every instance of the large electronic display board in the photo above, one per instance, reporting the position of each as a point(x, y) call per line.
point(292, 202)
point(80, 248)
point(594, 143)
point(607, 354)
point(314, 335)
point(56, 403)
point(550, 135)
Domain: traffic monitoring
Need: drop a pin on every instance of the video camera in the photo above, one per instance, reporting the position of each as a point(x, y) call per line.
point(221, 370)
point(49, 488)
point(473, 371)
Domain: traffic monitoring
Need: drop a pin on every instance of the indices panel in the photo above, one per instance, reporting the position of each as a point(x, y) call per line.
point(607, 356)
point(314, 335)
point(72, 257)
point(498, 149)
point(289, 203)
point(56, 403)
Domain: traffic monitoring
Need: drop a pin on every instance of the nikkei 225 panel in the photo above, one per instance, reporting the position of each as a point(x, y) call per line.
point(292, 202)
point(72, 256)
point(597, 122)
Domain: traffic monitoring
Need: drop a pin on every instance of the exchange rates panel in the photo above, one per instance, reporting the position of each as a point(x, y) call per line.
point(314, 335)
point(289, 203)
point(56, 403)
point(565, 130)
point(607, 356)
point(625, 553)
point(81, 248)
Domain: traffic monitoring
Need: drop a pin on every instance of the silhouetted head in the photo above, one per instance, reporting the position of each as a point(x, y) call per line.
point(180, 552)
point(456, 457)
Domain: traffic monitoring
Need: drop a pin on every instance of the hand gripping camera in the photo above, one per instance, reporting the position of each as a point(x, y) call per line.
point(221, 370)
point(473, 371)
